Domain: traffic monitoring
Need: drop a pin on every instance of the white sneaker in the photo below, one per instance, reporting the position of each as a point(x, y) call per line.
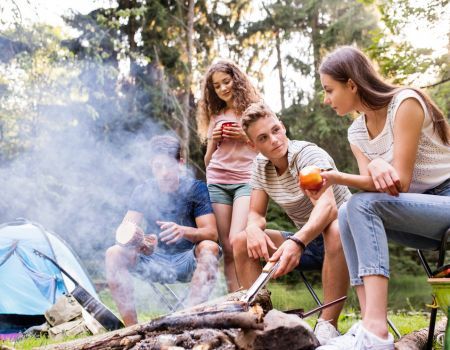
point(344, 342)
point(366, 340)
point(325, 331)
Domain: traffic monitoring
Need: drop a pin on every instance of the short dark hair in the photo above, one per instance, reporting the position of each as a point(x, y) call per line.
point(165, 144)
point(255, 112)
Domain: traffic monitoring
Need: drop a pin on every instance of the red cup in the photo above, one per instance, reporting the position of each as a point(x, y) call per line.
point(227, 125)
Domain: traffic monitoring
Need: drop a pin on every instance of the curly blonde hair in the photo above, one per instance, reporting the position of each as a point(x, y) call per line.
point(244, 93)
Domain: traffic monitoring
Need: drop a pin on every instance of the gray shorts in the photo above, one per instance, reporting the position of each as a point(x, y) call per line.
point(166, 267)
point(312, 257)
point(227, 194)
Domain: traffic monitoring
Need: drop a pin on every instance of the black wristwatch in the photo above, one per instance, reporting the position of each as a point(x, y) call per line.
point(299, 242)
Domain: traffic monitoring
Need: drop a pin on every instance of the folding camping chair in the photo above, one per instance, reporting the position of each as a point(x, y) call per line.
point(441, 260)
point(173, 298)
point(319, 303)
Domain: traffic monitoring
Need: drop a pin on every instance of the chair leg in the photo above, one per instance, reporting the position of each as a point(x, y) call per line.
point(431, 329)
point(394, 329)
point(310, 289)
point(162, 297)
point(424, 263)
point(441, 260)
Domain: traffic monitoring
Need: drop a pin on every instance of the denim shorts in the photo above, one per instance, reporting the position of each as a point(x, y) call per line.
point(166, 267)
point(312, 257)
point(227, 194)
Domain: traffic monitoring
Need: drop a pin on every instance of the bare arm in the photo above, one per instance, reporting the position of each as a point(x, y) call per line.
point(407, 128)
point(257, 240)
point(363, 181)
point(323, 213)
point(210, 149)
point(206, 230)
point(259, 202)
point(213, 141)
point(389, 181)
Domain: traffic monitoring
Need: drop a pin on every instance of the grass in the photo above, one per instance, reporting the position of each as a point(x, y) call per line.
point(407, 305)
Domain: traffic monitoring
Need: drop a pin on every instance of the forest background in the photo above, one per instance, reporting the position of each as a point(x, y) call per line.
point(79, 102)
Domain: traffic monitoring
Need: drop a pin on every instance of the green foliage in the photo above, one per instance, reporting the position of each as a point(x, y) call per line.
point(397, 58)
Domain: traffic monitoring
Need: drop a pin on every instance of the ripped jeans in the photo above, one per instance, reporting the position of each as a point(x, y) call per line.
point(368, 220)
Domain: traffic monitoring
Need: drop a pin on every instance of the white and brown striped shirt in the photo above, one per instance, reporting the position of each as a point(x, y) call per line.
point(284, 189)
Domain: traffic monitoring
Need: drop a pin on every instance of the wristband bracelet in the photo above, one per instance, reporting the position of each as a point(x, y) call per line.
point(299, 242)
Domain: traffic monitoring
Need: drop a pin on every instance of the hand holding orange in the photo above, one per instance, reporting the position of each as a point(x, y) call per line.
point(310, 179)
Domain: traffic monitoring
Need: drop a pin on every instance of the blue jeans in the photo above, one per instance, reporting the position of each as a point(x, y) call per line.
point(368, 219)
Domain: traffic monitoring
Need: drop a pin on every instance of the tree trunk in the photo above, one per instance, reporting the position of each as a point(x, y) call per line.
point(188, 79)
point(315, 40)
point(280, 69)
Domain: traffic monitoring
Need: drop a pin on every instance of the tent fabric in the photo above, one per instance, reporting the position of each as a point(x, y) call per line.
point(30, 284)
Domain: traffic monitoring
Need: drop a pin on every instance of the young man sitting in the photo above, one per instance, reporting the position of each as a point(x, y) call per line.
point(317, 242)
point(178, 213)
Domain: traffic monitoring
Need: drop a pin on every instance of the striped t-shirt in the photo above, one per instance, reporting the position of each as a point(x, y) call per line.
point(284, 189)
point(432, 165)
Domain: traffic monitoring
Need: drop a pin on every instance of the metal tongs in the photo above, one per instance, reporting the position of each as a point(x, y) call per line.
point(267, 272)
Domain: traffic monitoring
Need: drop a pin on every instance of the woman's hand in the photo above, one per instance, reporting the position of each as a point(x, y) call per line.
point(234, 132)
point(384, 176)
point(216, 135)
point(329, 178)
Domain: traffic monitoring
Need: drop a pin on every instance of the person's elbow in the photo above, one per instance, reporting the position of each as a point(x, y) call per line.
point(333, 211)
point(214, 234)
point(404, 184)
point(329, 207)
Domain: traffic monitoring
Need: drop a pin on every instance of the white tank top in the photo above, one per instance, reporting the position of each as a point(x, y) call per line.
point(432, 166)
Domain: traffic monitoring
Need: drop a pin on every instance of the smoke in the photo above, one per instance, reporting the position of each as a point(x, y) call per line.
point(74, 148)
point(75, 184)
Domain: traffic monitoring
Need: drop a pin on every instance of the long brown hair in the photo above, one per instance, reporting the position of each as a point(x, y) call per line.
point(347, 62)
point(244, 93)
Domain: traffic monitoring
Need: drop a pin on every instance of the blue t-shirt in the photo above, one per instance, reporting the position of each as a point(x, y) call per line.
point(182, 206)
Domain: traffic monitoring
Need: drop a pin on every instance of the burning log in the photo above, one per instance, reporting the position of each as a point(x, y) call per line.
point(227, 324)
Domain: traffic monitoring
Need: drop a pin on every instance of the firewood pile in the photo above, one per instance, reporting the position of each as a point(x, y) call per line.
point(223, 324)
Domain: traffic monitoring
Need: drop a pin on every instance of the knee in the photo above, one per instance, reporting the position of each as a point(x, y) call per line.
point(239, 243)
point(362, 202)
point(207, 247)
point(112, 255)
point(117, 257)
point(332, 239)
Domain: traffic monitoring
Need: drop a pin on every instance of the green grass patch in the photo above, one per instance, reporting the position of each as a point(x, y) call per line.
point(408, 296)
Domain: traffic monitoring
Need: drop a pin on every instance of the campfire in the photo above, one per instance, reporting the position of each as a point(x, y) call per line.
point(226, 323)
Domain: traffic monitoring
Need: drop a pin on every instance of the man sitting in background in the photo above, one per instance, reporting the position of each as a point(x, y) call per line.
point(317, 241)
point(178, 213)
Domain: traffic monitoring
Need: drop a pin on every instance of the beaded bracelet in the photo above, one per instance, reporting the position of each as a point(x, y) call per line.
point(298, 241)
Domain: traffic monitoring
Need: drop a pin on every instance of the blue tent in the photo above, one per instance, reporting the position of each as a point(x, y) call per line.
point(30, 284)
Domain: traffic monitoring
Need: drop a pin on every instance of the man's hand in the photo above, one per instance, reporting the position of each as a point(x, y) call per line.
point(384, 177)
point(289, 255)
point(171, 232)
point(257, 243)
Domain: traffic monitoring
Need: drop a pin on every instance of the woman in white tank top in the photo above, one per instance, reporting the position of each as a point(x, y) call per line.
point(401, 144)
